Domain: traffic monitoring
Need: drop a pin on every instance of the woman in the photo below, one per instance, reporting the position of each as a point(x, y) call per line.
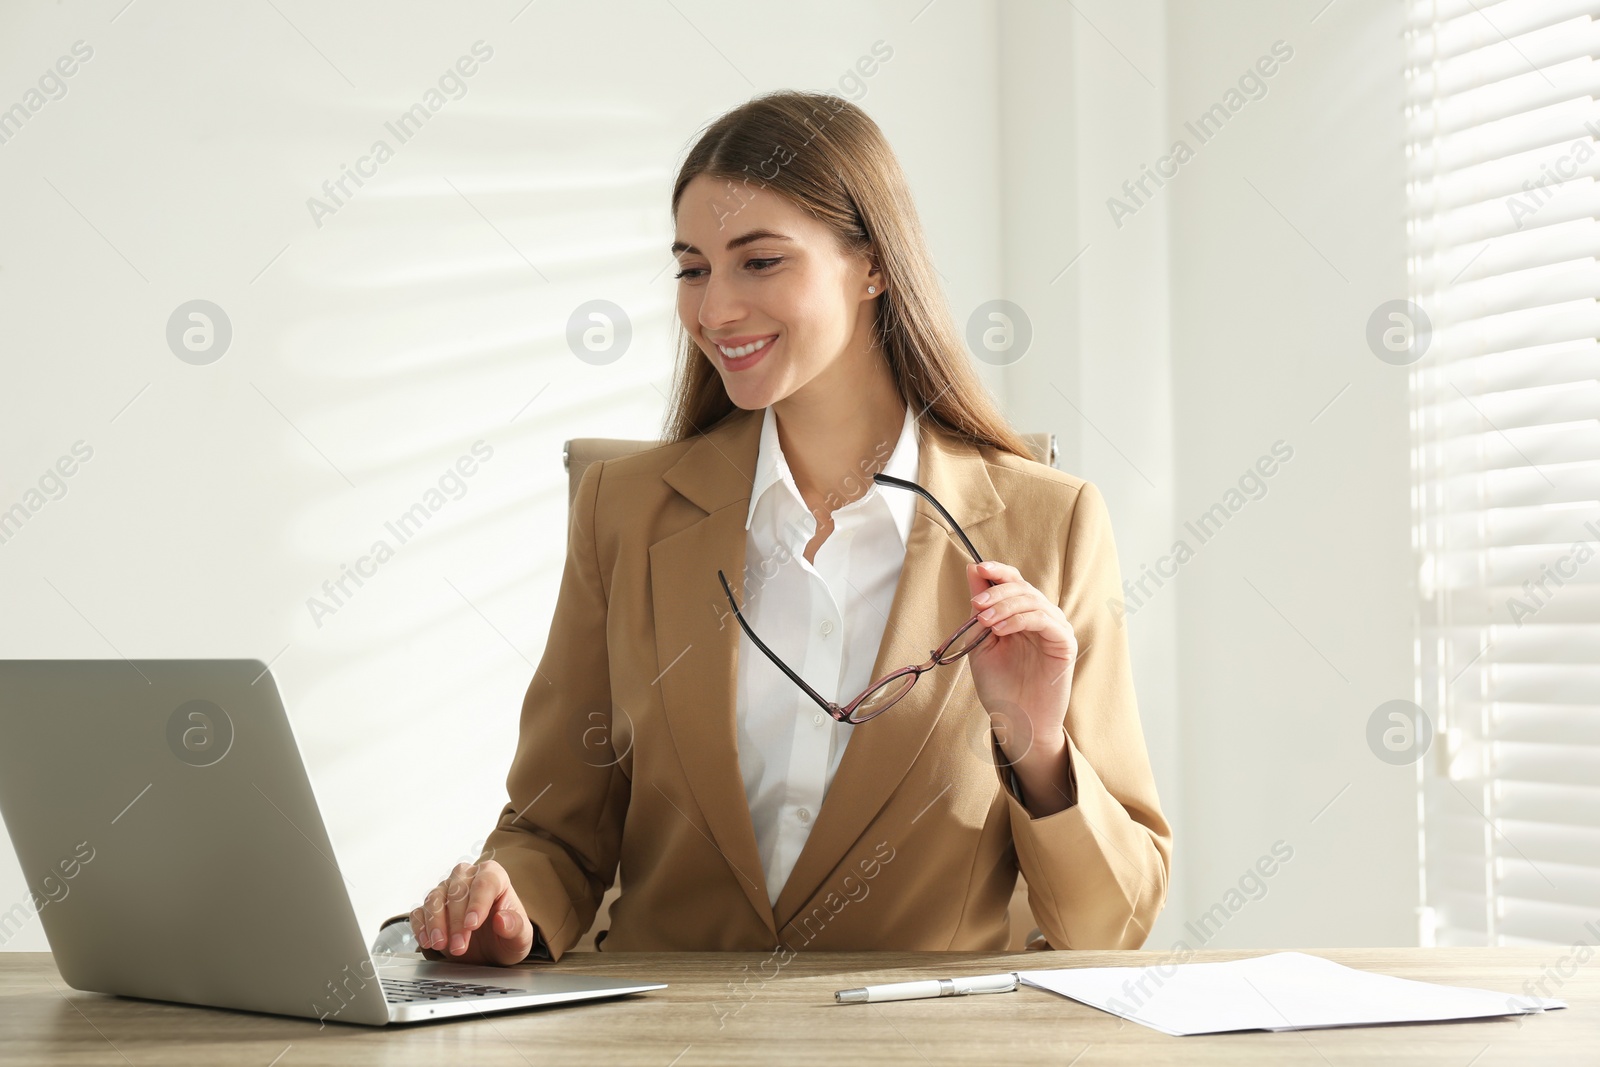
point(725, 593)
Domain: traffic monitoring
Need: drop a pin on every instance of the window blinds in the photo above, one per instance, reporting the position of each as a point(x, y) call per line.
point(1503, 205)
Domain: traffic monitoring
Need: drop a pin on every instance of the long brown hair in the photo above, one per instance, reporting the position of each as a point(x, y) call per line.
point(829, 158)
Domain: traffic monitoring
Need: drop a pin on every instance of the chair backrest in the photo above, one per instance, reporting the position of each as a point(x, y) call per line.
point(579, 452)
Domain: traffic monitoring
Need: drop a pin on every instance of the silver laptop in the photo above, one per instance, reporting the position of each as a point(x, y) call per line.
point(174, 851)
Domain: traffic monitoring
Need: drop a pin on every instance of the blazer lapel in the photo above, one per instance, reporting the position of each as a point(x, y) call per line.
point(697, 640)
point(930, 601)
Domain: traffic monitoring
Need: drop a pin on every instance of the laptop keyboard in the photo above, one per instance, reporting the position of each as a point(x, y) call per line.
point(412, 990)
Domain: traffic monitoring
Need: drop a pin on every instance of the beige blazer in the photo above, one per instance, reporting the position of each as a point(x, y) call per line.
point(627, 750)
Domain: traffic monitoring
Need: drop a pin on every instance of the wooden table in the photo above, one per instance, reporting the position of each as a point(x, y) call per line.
point(723, 1008)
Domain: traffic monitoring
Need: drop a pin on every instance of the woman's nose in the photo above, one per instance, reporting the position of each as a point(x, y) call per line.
point(720, 305)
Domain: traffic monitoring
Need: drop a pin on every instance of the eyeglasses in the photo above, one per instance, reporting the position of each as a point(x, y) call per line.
point(884, 693)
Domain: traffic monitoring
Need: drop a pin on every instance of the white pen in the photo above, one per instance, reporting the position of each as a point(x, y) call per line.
point(935, 987)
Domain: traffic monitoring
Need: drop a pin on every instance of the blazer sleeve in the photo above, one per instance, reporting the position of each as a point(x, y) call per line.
point(560, 834)
point(1097, 871)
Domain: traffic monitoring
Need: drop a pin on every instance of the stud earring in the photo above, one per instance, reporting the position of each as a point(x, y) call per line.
point(871, 289)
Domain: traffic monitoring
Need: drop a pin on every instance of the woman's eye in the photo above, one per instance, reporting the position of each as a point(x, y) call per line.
point(758, 265)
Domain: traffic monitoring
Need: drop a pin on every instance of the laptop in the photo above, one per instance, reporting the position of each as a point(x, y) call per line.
point(174, 851)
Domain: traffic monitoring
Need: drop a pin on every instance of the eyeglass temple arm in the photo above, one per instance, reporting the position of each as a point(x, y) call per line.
point(745, 626)
point(889, 479)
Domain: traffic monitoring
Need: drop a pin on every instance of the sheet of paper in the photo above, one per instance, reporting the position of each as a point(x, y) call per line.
point(1280, 991)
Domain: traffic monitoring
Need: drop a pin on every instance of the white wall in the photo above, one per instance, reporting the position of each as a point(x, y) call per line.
point(1197, 329)
point(372, 351)
point(1294, 621)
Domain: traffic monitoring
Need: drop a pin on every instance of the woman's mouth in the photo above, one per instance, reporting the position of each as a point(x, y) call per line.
point(745, 356)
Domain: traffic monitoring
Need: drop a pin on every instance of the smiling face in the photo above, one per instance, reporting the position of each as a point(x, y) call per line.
point(768, 297)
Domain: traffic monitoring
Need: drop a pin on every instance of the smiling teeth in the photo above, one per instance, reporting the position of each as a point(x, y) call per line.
point(744, 350)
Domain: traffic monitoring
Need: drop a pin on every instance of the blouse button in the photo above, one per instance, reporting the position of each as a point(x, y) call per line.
point(827, 627)
point(805, 816)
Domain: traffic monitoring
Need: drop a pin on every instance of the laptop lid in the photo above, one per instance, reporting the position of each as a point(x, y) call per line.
point(163, 816)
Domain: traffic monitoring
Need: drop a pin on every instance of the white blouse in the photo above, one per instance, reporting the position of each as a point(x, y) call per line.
point(825, 620)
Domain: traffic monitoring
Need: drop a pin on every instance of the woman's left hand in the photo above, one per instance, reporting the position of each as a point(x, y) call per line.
point(1023, 673)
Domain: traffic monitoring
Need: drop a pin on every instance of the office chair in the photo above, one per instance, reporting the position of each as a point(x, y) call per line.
point(394, 935)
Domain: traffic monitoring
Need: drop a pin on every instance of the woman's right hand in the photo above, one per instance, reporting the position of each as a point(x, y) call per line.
point(474, 916)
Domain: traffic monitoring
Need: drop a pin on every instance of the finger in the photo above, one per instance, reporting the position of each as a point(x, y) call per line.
point(1058, 637)
point(433, 915)
point(418, 926)
point(1004, 591)
point(513, 931)
point(999, 572)
point(1034, 619)
point(977, 580)
point(507, 923)
point(456, 889)
point(1055, 637)
point(482, 895)
point(1017, 605)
